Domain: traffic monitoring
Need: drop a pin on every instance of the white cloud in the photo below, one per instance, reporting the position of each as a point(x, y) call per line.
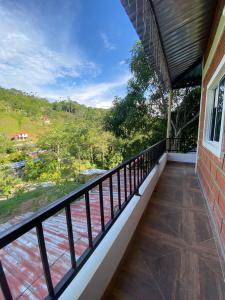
point(123, 62)
point(107, 44)
point(94, 94)
point(27, 62)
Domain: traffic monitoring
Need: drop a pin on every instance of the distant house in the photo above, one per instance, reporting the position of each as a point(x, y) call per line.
point(22, 136)
point(46, 120)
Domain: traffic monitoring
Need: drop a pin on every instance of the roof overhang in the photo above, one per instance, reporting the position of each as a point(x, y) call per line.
point(174, 34)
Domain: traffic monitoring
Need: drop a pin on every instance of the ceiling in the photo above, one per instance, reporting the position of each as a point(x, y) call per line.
point(174, 34)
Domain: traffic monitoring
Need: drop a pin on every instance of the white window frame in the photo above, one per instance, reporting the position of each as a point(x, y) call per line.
point(213, 146)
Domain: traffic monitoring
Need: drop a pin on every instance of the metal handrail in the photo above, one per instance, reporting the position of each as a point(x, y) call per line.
point(135, 170)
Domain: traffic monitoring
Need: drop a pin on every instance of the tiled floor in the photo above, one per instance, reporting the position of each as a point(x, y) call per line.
point(173, 253)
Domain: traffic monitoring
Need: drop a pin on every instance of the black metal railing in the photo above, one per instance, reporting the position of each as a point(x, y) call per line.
point(130, 174)
point(182, 145)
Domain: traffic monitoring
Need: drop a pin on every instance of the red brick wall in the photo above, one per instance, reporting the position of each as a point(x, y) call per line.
point(211, 169)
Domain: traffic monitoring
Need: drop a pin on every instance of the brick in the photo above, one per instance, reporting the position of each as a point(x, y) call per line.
point(221, 203)
point(217, 216)
point(215, 192)
point(222, 234)
point(220, 178)
point(211, 199)
point(218, 161)
point(224, 159)
point(208, 177)
point(213, 169)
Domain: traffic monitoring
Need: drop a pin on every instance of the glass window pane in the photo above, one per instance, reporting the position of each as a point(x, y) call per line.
point(213, 118)
point(219, 110)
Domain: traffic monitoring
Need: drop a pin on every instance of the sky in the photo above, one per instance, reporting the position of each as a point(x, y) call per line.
point(66, 48)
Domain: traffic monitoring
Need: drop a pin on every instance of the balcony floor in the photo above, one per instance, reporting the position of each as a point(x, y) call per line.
point(173, 254)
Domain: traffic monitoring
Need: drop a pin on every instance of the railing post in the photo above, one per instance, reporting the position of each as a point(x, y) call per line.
point(125, 182)
point(101, 206)
point(70, 235)
point(130, 179)
point(88, 214)
point(4, 284)
point(134, 174)
point(138, 170)
point(119, 191)
point(44, 259)
point(111, 196)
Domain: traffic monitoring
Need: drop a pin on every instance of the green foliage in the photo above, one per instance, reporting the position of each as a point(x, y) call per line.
point(74, 137)
point(6, 145)
point(143, 74)
point(133, 118)
point(185, 116)
point(70, 135)
point(31, 201)
point(23, 102)
point(139, 118)
point(7, 183)
point(26, 112)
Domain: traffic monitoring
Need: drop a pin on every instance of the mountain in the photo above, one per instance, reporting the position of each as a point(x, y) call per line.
point(22, 112)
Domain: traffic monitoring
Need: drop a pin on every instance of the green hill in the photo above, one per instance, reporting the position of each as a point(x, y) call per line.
point(22, 112)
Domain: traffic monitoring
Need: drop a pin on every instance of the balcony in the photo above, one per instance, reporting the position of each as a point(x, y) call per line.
point(74, 245)
point(173, 254)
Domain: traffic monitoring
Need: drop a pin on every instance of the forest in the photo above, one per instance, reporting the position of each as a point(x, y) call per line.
point(64, 138)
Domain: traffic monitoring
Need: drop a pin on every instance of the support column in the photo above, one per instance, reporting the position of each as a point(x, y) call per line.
point(168, 142)
point(169, 114)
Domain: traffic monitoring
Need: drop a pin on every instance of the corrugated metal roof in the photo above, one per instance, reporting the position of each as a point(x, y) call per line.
point(183, 29)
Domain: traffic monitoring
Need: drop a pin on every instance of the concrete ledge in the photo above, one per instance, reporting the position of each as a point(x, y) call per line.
point(182, 157)
point(93, 279)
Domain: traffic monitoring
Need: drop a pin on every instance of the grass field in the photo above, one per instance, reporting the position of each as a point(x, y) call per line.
point(14, 122)
point(33, 200)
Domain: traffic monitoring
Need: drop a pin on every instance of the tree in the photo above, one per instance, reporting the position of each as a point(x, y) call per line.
point(185, 115)
point(186, 110)
point(55, 142)
point(140, 117)
point(146, 82)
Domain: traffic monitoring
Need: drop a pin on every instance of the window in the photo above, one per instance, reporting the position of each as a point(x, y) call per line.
point(217, 111)
point(214, 116)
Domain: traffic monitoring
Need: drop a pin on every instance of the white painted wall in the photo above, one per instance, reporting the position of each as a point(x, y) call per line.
point(182, 157)
point(92, 280)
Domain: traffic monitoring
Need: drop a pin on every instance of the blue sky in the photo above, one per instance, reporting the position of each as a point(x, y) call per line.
point(66, 48)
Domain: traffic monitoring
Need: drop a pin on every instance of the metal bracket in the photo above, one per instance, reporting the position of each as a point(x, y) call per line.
point(137, 193)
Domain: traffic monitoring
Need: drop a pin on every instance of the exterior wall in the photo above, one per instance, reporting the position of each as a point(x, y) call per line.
point(211, 169)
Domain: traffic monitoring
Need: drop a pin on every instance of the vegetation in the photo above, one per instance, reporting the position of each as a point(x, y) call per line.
point(139, 119)
point(63, 140)
point(66, 137)
point(33, 200)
